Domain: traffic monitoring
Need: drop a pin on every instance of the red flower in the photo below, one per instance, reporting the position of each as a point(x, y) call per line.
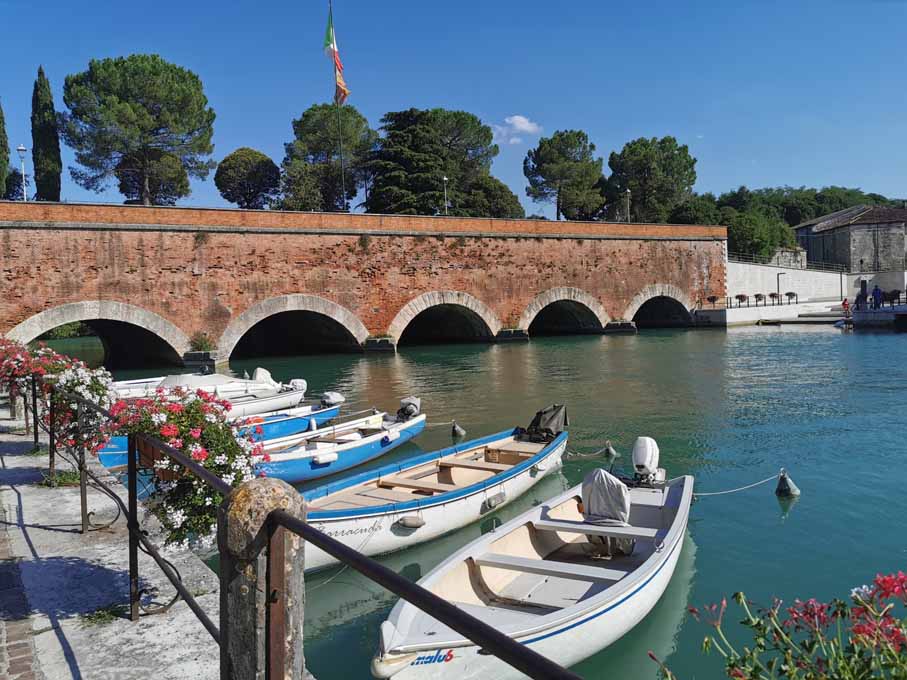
point(200, 454)
point(892, 585)
point(175, 408)
point(169, 430)
point(259, 430)
point(196, 432)
point(809, 615)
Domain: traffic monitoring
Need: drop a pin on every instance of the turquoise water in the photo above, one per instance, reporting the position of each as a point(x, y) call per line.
point(728, 407)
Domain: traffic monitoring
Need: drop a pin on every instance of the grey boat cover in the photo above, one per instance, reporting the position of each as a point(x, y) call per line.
point(546, 425)
point(410, 407)
point(606, 501)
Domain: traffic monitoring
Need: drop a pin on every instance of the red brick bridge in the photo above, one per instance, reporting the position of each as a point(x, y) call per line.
point(262, 282)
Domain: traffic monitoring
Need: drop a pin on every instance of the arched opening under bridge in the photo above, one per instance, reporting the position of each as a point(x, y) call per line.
point(446, 323)
point(565, 317)
point(662, 312)
point(295, 332)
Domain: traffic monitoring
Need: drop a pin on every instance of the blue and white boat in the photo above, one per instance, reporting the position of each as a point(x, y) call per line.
point(423, 497)
point(328, 451)
point(290, 426)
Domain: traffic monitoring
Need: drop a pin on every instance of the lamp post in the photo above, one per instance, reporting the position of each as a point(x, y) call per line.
point(778, 283)
point(445, 194)
point(21, 149)
point(628, 205)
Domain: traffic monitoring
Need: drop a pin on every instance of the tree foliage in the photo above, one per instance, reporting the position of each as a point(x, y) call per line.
point(4, 151)
point(12, 185)
point(660, 174)
point(562, 169)
point(163, 180)
point(248, 178)
point(133, 115)
point(421, 148)
point(45, 141)
point(316, 145)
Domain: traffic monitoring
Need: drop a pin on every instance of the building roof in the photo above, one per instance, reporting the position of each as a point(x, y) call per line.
point(858, 214)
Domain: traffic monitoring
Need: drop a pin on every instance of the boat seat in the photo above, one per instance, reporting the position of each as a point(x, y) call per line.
point(579, 572)
point(523, 449)
point(391, 495)
point(420, 484)
point(568, 526)
point(474, 465)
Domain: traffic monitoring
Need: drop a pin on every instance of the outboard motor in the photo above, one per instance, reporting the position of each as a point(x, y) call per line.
point(645, 462)
point(299, 384)
point(546, 425)
point(329, 399)
point(410, 407)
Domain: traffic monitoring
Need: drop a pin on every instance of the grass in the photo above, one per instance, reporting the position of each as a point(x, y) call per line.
point(61, 478)
point(37, 451)
point(105, 615)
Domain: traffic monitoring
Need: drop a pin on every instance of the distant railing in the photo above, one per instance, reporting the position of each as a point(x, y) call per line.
point(271, 624)
point(748, 258)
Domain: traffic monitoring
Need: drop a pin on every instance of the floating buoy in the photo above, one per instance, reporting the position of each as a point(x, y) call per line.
point(610, 450)
point(456, 431)
point(786, 487)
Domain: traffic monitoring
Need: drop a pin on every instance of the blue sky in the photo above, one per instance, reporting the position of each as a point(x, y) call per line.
point(764, 93)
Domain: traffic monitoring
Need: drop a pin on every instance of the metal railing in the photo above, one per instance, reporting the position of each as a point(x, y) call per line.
point(278, 523)
point(749, 258)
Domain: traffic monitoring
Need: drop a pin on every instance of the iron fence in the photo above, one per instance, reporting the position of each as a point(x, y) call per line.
point(749, 258)
point(278, 523)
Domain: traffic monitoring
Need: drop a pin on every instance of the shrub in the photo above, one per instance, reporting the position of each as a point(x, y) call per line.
point(201, 342)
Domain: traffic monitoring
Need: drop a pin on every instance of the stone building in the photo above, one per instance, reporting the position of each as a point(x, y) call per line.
point(863, 238)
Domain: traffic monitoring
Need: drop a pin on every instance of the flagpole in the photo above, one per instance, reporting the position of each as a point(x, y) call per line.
point(339, 115)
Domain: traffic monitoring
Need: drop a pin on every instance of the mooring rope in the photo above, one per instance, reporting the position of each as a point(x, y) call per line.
point(741, 488)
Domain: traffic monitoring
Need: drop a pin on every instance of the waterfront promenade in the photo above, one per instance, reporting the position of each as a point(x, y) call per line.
point(63, 596)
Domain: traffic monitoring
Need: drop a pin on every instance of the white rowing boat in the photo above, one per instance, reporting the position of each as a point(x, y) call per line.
point(541, 579)
point(431, 494)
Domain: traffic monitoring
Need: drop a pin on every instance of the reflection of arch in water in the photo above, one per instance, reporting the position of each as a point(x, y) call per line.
point(657, 632)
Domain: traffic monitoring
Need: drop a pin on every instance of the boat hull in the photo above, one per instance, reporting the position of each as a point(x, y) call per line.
point(567, 644)
point(377, 533)
point(305, 467)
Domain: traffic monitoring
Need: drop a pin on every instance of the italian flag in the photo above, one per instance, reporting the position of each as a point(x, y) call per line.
point(341, 91)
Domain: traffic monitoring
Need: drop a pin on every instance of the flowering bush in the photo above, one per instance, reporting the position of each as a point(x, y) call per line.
point(195, 423)
point(863, 638)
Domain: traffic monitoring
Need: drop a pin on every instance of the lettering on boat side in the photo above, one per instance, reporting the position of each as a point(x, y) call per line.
point(437, 657)
point(372, 528)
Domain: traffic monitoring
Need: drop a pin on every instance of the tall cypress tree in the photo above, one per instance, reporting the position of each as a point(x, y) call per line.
point(45, 141)
point(4, 153)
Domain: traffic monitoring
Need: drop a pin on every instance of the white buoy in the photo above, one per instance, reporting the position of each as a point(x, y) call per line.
point(786, 487)
point(456, 431)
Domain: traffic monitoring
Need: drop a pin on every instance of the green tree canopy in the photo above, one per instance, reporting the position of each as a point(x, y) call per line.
point(4, 151)
point(128, 114)
point(12, 185)
point(660, 174)
point(316, 144)
point(248, 178)
point(163, 180)
point(45, 141)
point(562, 169)
point(422, 147)
point(697, 209)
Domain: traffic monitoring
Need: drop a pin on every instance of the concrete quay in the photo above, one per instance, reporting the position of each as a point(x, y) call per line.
point(64, 595)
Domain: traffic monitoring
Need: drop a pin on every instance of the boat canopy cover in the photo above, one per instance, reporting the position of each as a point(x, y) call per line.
point(410, 407)
point(546, 425)
point(606, 499)
point(332, 399)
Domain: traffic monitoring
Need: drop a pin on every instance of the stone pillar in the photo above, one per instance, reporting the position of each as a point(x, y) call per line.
point(252, 600)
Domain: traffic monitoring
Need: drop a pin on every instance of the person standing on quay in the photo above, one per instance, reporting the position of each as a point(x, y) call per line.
point(876, 297)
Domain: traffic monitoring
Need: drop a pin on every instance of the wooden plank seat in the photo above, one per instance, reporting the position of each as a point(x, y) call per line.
point(420, 484)
point(391, 495)
point(568, 570)
point(474, 464)
point(568, 526)
point(519, 448)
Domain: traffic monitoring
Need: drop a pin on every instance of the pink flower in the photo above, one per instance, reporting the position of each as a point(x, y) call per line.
point(176, 443)
point(196, 432)
point(175, 408)
point(200, 453)
point(809, 615)
point(892, 585)
point(169, 430)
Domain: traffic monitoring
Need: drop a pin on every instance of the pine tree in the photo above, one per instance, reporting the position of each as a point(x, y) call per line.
point(45, 141)
point(4, 152)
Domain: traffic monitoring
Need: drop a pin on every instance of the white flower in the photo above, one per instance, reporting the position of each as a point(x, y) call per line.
point(862, 593)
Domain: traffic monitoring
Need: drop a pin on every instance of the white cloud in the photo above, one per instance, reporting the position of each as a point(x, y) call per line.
point(513, 127)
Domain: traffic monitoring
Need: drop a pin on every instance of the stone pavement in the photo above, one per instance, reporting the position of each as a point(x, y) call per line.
point(63, 596)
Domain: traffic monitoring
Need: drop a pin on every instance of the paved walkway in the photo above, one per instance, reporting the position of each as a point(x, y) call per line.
point(63, 595)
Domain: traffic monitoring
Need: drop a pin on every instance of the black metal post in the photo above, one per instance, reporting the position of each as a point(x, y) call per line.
point(34, 407)
point(52, 438)
point(132, 523)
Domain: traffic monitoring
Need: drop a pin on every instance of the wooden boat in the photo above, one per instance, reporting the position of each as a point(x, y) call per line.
point(536, 579)
point(420, 498)
point(282, 428)
point(336, 449)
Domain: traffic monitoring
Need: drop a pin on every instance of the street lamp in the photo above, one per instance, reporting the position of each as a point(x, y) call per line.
point(628, 205)
point(21, 149)
point(445, 194)
point(778, 283)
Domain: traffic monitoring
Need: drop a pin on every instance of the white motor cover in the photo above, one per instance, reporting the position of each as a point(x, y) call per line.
point(331, 398)
point(298, 384)
point(606, 499)
point(645, 456)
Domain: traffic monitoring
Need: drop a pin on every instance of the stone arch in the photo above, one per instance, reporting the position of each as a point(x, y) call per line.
point(297, 302)
point(563, 293)
point(101, 310)
point(658, 290)
point(442, 297)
